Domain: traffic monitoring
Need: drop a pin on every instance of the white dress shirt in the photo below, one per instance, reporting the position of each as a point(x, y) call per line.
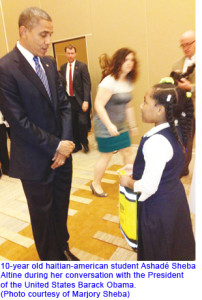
point(157, 151)
point(188, 62)
point(1, 119)
point(28, 56)
point(67, 74)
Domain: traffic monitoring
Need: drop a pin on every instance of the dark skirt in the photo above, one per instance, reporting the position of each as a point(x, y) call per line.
point(164, 227)
point(113, 143)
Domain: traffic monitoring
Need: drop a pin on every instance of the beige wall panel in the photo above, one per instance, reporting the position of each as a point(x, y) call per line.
point(167, 20)
point(3, 47)
point(11, 11)
point(71, 18)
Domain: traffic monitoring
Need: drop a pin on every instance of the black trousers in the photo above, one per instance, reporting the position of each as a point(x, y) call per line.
point(80, 123)
point(48, 203)
point(4, 159)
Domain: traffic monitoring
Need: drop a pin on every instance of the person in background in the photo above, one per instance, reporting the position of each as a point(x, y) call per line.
point(104, 62)
point(4, 158)
point(164, 223)
point(114, 116)
point(35, 105)
point(78, 87)
point(188, 45)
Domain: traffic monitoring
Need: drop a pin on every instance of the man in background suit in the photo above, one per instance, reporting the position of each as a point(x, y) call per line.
point(187, 43)
point(78, 87)
point(34, 103)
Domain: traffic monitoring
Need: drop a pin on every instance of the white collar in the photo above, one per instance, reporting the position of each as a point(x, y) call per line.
point(157, 129)
point(26, 53)
point(28, 56)
point(73, 63)
point(192, 59)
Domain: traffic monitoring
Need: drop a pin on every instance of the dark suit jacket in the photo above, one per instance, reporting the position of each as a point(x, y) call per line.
point(37, 125)
point(81, 81)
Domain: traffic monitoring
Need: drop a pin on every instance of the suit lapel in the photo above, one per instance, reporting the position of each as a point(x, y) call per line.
point(76, 70)
point(51, 82)
point(30, 74)
point(65, 71)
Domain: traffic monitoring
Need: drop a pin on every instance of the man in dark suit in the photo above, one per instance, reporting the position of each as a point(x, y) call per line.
point(34, 103)
point(78, 87)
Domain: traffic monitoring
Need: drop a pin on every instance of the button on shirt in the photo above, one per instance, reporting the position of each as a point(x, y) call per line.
point(67, 75)
point(157, 151)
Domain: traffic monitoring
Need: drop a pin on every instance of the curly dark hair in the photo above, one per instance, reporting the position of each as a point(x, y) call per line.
point(117, 61)
point(178, 106)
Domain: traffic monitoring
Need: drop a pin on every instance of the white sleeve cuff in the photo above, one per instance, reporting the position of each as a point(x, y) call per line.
point(58, 146)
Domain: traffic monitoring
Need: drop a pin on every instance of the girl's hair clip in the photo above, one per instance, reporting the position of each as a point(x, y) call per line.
point(183, 114)
point(168, 98)
point(167, 80)
point(188, 94)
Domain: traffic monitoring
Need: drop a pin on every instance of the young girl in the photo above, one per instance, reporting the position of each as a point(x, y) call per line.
point(164, 225)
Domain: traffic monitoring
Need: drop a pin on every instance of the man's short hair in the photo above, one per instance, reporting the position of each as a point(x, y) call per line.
point(70, 47)
point(31, 16)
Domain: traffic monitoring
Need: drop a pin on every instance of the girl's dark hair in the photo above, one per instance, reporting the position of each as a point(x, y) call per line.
point(118, 59)
point(178, 106)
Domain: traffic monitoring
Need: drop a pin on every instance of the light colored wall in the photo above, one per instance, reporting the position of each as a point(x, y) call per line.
point(151, 27)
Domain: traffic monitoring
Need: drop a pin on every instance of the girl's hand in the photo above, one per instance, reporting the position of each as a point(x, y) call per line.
point(113, 130)
point(127, 181)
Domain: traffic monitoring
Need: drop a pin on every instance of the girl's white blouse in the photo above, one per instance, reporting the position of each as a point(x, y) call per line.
point(157, 151)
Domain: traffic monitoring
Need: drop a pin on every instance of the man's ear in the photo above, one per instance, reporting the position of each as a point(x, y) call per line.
point(22, 31)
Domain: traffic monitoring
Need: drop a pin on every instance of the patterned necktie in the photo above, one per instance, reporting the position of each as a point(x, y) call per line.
point(71, 92)
point(42, 75)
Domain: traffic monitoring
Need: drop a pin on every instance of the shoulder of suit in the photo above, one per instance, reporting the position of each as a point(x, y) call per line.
point(80, 63)
point(10, 56)
point(179, 62)
point(63, 66)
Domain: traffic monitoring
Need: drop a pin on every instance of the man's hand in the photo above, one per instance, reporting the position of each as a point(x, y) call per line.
point(59, 160)
point(84, 106)
point(66, 148)
point(184, 84)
